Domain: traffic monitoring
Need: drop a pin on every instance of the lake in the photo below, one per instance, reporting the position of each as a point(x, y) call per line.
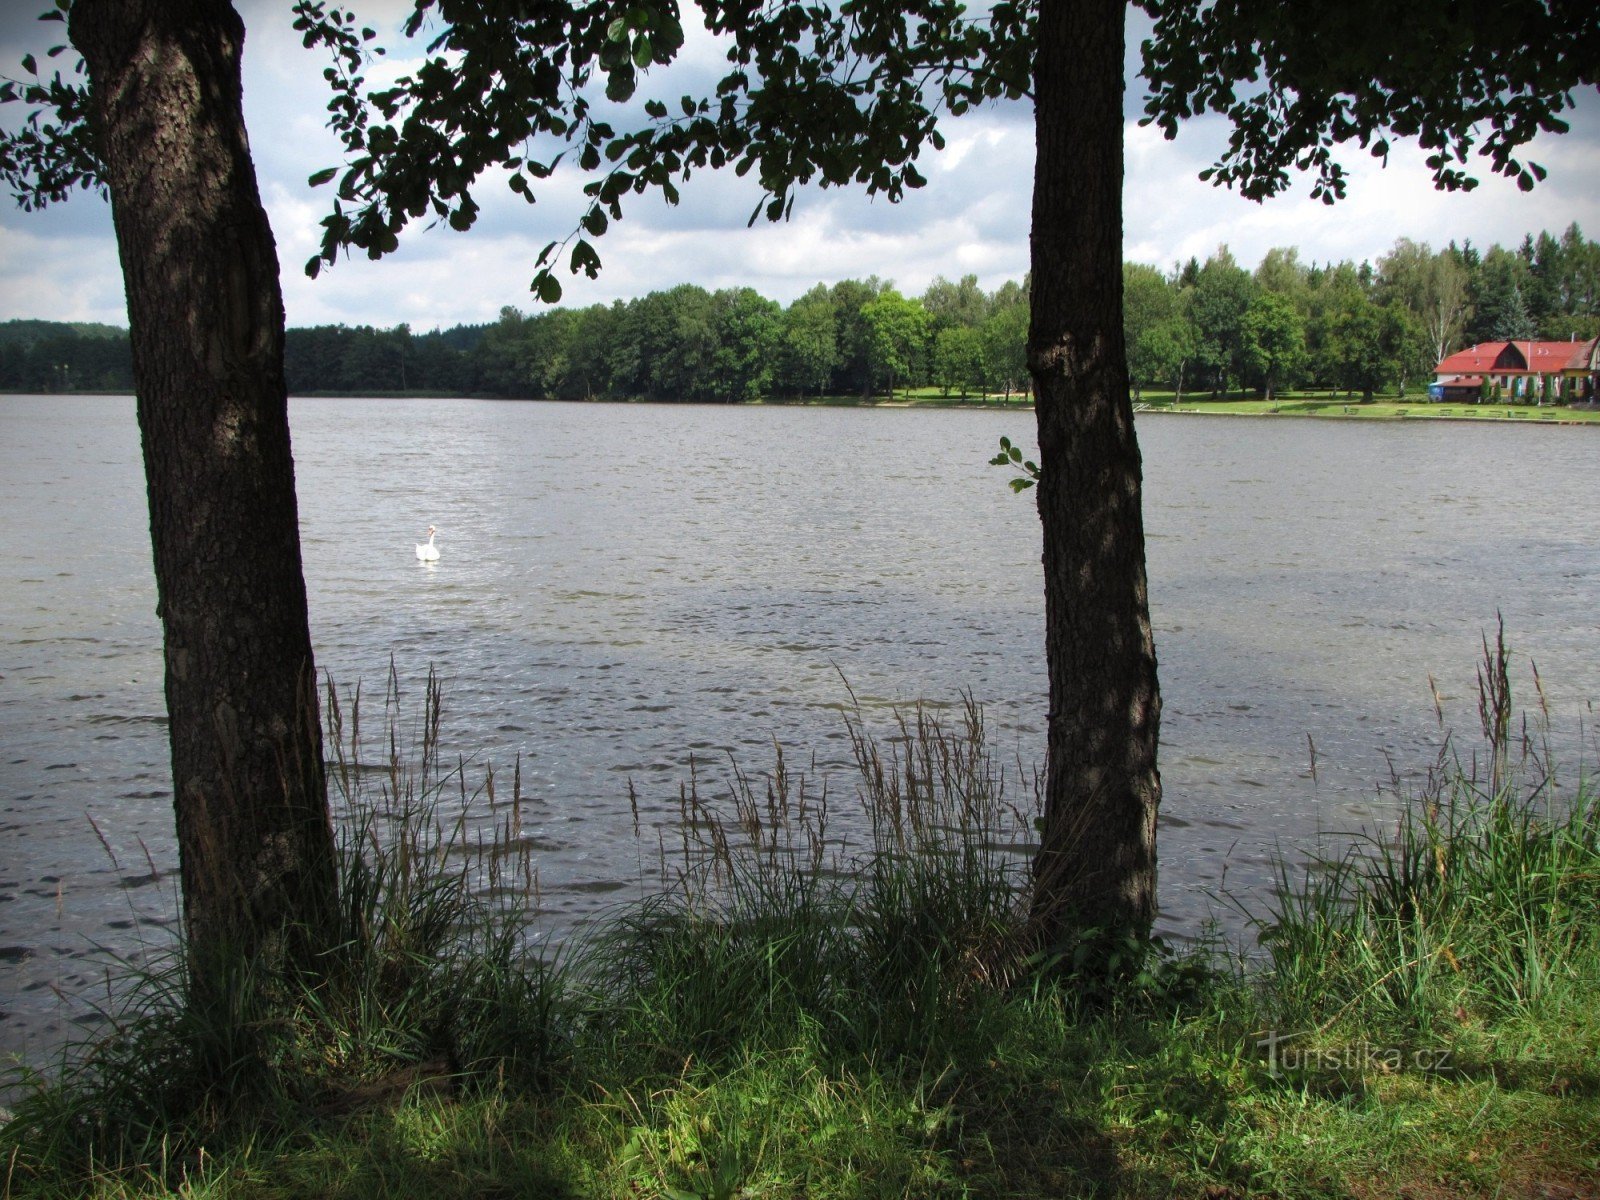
point(625, 587)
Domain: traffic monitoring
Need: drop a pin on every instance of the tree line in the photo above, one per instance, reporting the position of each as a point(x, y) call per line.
point(855, 337)
point(52, 356)
point(1214, 326)
point(1211, 326)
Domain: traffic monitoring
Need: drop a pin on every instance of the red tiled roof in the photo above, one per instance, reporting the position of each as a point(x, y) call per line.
point(1474, 358)
point(1538, 358)
point(1549, 357)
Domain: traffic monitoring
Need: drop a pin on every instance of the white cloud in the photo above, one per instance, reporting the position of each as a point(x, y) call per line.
point(1171, 215)
point(61, 278)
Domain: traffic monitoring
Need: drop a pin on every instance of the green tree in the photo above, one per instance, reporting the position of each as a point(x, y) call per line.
point(587, 374)
point(962, 303)
point(545, 350)
point(746, 327)
point(1543, 293)
point(1163, 353)
point(1283, 274)
point(897, 330)
point(1333, 290)
point(850, 299)
point(957, 359)
point(1514, 320)
point(1273, 342)
point(1368, 344)
point(1573, 270)
point(1005, 342)
point(1500, 308)
point(505, 355)
point(1222, 296)
point(809, 343)
point(1156, 327)
point(1433, 288)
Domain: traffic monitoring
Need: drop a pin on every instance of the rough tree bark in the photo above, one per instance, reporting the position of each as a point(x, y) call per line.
point(206, 312)
point(1096, 866)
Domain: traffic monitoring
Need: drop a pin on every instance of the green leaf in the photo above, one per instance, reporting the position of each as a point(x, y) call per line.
point(318, 178)
point(620, 85)
point(547, 287)
point(585, 259)
point(29, 65)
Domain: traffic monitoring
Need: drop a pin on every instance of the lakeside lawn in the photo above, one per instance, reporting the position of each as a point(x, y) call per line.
point(1288, 404)
point(1321, 405)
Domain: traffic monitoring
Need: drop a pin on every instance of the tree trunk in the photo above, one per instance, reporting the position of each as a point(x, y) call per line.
point(1095, 872)
point(201, 273)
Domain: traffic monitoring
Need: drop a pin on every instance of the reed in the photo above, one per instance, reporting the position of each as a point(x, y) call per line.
point(771, 921)
point(430, 984)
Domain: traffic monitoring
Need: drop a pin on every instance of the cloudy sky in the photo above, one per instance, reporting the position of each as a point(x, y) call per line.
point(971, 218)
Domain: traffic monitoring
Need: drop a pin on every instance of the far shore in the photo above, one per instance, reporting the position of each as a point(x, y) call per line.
point(1292, 405)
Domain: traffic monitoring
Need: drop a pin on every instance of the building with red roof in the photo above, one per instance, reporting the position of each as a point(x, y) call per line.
point(1557, 372)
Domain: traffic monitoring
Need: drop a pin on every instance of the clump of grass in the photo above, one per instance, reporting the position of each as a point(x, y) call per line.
point(430, 986)
point(1482, 903)
point(772, 926)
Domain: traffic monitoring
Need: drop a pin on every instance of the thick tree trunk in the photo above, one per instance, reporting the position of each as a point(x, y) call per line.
point(206, 313)
point(1096, 866)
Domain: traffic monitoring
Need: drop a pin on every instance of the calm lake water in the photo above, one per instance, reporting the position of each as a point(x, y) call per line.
point(623, 587)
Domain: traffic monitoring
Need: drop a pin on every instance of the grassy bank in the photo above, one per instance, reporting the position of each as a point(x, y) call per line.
point(1291, 404)
point(1345, 408)
point(795, 1018)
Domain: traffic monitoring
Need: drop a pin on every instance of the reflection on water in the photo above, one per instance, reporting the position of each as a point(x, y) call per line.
point(623, 587)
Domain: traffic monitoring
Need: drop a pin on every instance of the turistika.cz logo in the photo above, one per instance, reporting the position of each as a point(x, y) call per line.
point(1284, 1057)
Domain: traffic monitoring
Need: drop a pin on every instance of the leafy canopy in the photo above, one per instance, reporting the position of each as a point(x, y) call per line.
point(1443, 73)
point(811, 94)
point(853, 94)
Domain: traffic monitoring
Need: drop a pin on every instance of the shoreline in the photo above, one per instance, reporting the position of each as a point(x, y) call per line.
point(1329, 410)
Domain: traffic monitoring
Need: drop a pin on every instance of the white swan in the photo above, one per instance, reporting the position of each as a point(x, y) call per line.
point(427, 551)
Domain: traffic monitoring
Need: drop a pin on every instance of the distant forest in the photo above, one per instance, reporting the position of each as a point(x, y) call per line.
point(1201, 326)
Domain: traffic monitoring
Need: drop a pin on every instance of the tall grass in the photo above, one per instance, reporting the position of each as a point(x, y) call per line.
point(1482, 902)
point(772, 927)
point(430, 983)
